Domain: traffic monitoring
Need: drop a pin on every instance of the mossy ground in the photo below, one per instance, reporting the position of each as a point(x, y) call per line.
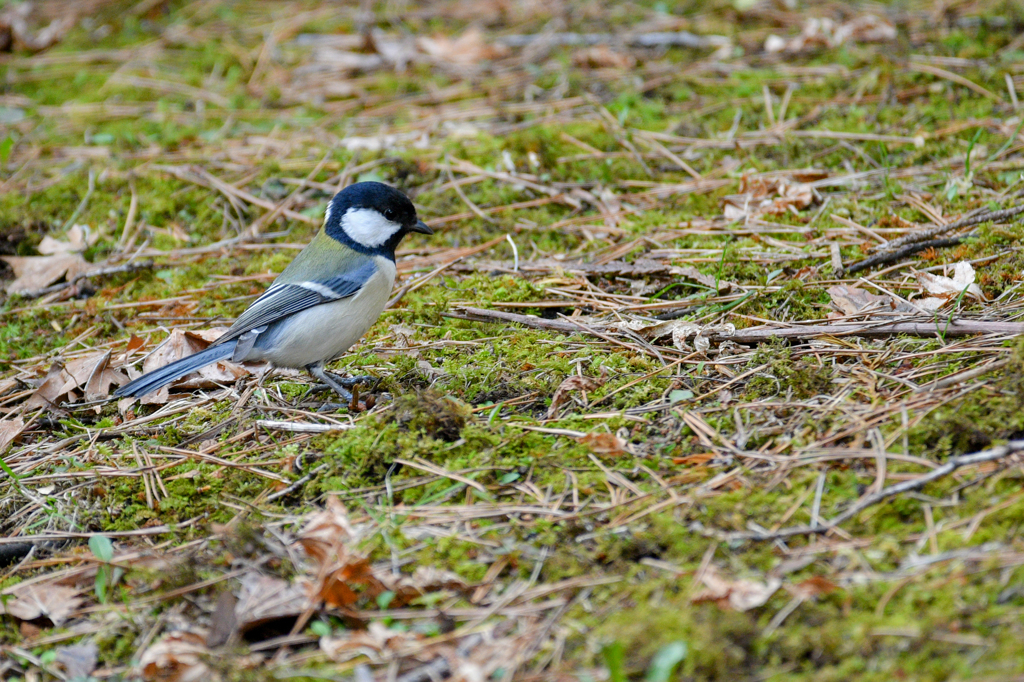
point(466, 397)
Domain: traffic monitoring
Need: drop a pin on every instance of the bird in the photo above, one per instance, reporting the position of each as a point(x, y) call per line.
point(323, 301)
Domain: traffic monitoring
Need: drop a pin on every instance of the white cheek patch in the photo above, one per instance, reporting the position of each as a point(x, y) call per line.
point(327, 214)
point(368, 227)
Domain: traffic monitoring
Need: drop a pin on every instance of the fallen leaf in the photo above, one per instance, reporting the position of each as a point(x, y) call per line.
point(424, 580)
point(813, 587)
point(33, 273)
point(945, 289)
point(375, 640)
point(15, 31)
point(605, 444)
point(177, 657)
point(850, 301)
point(468, 49)
point(329, 540)
point(824, 32)
point(78, 660)
point(603, 57)
point(181, 344)
point(91, 375)
point(80, 237)
point(768, 196)
point(325, 530)
point(739, 595)
point(134, 344)
point(570, 384)
point(9, 430)
point(264, 599)
point(53, 602)
point(224, 620)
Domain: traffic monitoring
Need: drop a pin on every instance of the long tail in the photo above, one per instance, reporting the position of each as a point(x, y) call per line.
point(151, 381)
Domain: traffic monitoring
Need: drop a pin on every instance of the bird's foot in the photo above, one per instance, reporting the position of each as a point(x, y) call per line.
point(340, 386)
point(349, 382)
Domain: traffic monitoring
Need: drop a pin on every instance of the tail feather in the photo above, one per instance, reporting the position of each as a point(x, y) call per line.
point(158, 378)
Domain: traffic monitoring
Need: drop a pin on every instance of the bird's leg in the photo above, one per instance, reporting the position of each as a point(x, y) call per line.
point(317, 371)
point(349, 382)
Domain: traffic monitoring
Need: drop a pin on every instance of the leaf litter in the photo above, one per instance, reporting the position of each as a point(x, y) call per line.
point(676, 359)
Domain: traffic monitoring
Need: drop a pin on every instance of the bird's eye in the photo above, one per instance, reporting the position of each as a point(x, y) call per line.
point(389, 213)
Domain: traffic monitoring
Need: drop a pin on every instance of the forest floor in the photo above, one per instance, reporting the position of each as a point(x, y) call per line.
point(709, 371)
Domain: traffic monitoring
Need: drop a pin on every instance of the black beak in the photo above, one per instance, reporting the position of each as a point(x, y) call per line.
point(421, 227)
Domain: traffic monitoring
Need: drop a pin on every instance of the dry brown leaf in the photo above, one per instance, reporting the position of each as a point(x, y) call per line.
point(329, 540)
point(9, 430)
point(605, 444)
point(48, 391)
point(813, 587)
point(177, 657)
point(15, 31)
point(134, 344)
point(768, 196)
point(33, 273)
point(945, 289)
point(467, 50)
point(325, 530)
point(181, 344)
point(603, 57)
point(80, 237)
point(53, 602)
point(78, 660)
point(90, 375)
point(263, 599)
point(824, 32)
point(681, 331)
point(739, 595)
point(373, 641)
point(570, 384)
point(848, 301)
point(424, 579)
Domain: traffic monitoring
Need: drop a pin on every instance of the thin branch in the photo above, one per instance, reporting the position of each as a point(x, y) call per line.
point(954, 463)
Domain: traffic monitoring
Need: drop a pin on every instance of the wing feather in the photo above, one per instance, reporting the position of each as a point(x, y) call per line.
point(282, 300)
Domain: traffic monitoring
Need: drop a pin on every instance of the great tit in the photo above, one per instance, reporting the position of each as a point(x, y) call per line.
point(326, 298)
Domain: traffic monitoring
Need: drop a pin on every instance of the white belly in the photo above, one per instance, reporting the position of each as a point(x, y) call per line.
point(326, 331)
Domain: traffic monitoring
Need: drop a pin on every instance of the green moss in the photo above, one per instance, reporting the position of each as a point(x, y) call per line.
point(802, 378)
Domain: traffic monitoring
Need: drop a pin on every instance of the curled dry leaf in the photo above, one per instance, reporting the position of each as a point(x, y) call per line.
point(80, 237)
point(692, 273)
point(325, 530)
point(945, 289)
point(605, 444)
point(78, 660)
point(33, 273)
point(329, 540)
point(181, 344)
point(90, 375)
point(813, 587)
point(177, 657)
point(681, 331)
point(424, 580)
point(9, 430)
point(372, 642)
point(573, 383)
point(603, 57)
point(850, 301)
point(53, 602)
point(468, 49)
point(824, 33)
point(15, 31)
point(739, 595)
point(263, 599)
point(769, 196)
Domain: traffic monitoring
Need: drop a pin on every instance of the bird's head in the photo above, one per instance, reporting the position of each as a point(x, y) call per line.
point(372, 217)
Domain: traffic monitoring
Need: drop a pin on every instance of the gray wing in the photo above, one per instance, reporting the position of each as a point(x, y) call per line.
point(282, 300)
